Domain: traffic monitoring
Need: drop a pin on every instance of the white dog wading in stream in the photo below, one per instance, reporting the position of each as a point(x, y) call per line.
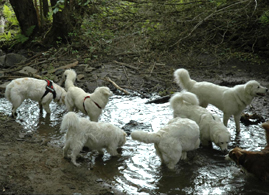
point(186, 105)
point(35, 89)
point(173, 141)
point(94, 135)
point(89, 104)
point(232, 101)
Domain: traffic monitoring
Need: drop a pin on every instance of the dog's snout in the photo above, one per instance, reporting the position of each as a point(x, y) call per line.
point(225, 151)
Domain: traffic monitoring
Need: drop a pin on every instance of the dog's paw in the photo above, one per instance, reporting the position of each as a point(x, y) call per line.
point(76, 164)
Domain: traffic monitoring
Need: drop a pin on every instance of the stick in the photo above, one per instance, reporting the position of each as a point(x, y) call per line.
point(115, 85)
point(65, 67)
point(127, 65)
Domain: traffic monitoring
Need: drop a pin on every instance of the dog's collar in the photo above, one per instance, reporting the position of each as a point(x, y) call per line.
point(49, 89)
point(93, 102)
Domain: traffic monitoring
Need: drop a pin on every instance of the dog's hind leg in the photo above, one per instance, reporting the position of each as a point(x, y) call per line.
point(15, 104)
point(183, 156)
point(65, 149)
point(40, 108)
point(69, 106)
point(74, 154)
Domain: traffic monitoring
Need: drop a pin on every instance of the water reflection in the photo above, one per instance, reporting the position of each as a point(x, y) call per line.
point(138, 170)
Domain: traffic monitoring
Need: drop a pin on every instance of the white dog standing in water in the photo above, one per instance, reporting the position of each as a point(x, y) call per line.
point(173, 141)
point(89, 104)
point(232, 101)
point(186, 105)
point(35, 89)
point(95, 135)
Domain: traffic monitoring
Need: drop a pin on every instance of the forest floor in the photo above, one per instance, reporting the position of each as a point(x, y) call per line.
point(29, 165)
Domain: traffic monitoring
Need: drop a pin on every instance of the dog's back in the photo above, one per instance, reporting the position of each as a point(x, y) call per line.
point(205, 91)
point(25, 88)
point(186, 105)
point(186, 131)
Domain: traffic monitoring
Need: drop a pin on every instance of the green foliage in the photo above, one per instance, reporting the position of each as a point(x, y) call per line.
point(10, 16)
point(6, 36)
point(264, 19)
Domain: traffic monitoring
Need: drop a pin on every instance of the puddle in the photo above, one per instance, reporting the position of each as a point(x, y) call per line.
point(138, 170)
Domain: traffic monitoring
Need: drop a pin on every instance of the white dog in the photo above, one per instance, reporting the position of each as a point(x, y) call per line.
point(232, 101)
point(41, 91)
point(90, 104)
point(94, 135)
point(173, 141)
point(186, 105)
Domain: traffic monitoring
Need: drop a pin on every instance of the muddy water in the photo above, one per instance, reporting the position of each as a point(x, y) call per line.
point(138, 170)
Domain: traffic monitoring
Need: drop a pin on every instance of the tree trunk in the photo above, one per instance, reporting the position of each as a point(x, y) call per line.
point(64, 22)
point(45, 8)
point(26, 16)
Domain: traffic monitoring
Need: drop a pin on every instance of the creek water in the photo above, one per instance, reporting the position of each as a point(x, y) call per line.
point(138, 170)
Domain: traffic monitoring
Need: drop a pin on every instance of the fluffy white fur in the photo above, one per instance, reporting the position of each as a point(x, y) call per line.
point(23, 88)
point(186, 105)
point(173, 141)
point(75, 97)
point(94, 135)
point(232, 101)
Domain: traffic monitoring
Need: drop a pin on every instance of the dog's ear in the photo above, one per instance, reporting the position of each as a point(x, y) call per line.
point(248, 88)
point(107, 92)
point(238, 156)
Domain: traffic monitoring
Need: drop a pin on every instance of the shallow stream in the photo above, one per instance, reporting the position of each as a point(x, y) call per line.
point(138, 170)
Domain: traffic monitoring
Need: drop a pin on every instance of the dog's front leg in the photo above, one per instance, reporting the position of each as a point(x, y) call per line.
point(225, 119)
point(47, 107)
point(112, 151)
point(237, 122)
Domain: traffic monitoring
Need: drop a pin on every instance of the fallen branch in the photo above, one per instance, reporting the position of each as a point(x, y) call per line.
point(65, 67)
point(115, 85)
point(160, 100)
point(127, 65)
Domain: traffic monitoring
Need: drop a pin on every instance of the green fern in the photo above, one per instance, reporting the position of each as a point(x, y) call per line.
point(10, 16)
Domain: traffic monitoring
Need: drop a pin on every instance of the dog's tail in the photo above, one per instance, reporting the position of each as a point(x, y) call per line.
point(181, 97)
point(182, 78)
point(70, 120)
point(7, 92)
point(145, 137)
point(70, 77)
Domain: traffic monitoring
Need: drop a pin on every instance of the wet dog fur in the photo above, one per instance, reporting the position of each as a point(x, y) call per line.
point(30, 88)
point(75, 97)
point(253, 162)
point(186, 105)
point(173, 141)
point(94, 135)
point(232, 101)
